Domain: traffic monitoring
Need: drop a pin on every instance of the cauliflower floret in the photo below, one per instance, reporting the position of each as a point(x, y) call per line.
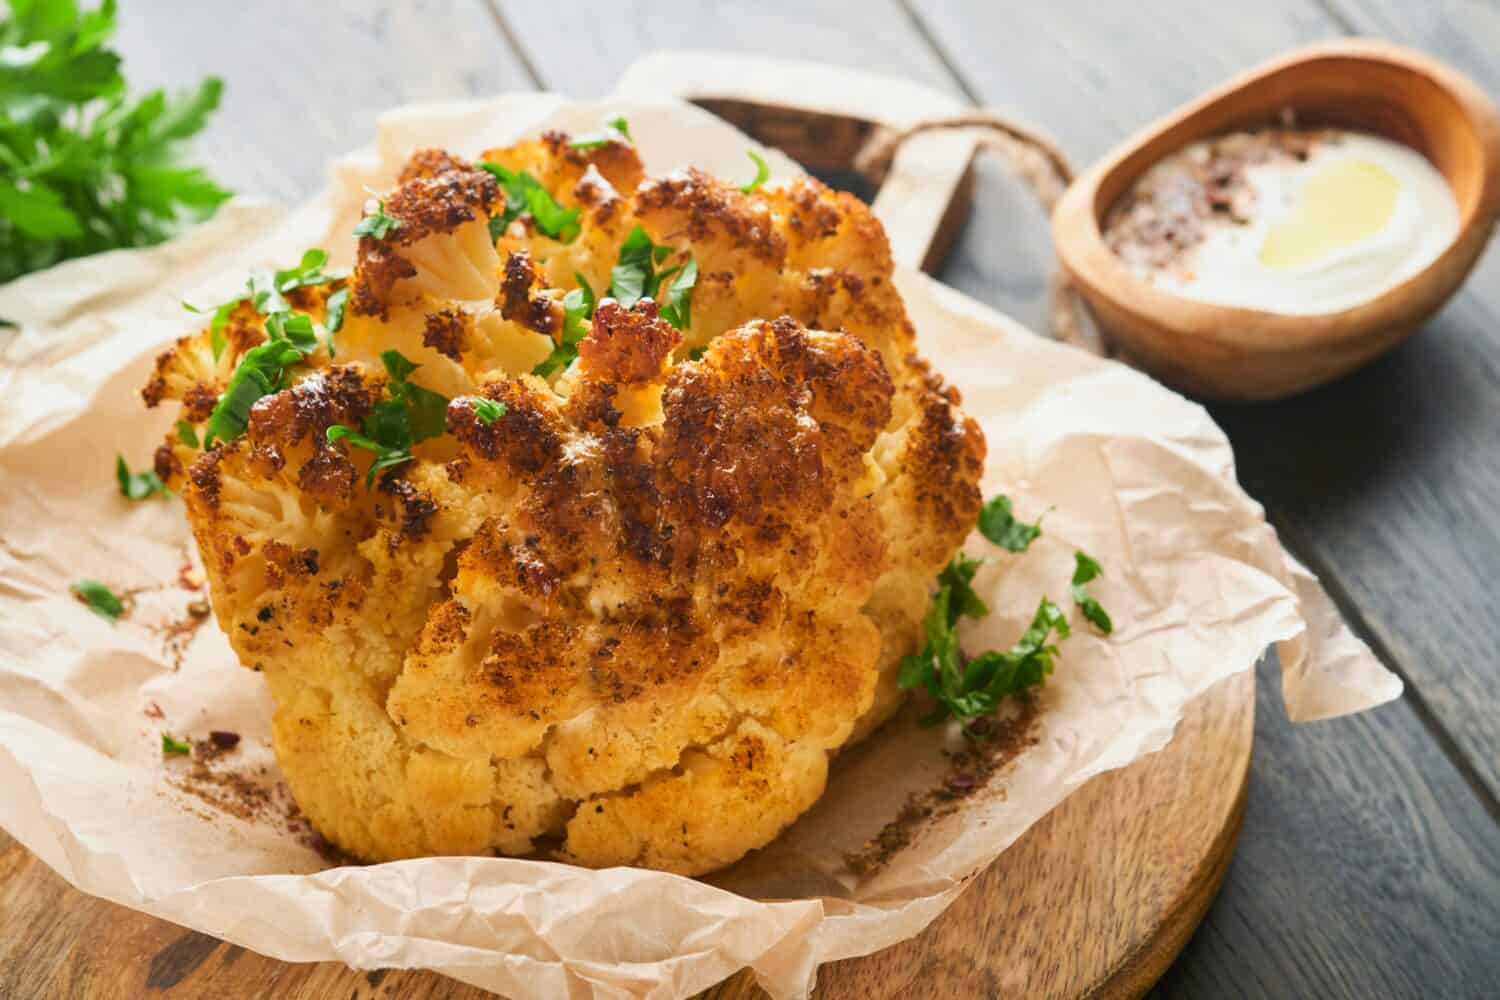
point(621, 608)
point(438, 242)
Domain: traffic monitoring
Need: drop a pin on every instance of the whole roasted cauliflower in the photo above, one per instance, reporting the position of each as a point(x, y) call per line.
point(587, 518)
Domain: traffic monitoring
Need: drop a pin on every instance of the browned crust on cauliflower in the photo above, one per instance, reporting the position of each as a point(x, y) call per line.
point(633, 616)
point(437, 194)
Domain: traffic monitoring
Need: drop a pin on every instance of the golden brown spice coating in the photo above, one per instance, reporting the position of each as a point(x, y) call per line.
point(629, 621)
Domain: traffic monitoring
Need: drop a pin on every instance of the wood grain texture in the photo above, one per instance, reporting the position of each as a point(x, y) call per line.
point(1097, 898)
point(579, 51)
point(303, 81)
point(1366, 868)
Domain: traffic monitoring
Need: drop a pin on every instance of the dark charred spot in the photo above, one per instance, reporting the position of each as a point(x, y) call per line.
point(204, 475)
point(328, 476)
point(447, 332)
point(166, 463)
point(417, 508)
point(430, 163)
point(337, 395)
point(528, 440)
point(712, 209)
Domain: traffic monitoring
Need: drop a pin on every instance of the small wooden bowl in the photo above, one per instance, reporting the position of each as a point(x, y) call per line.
point(1225, 352)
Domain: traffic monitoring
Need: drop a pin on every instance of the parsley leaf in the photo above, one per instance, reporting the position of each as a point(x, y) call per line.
point(261, 372)
point(411, 415)
point(1085, 569)
point(333, 320)
point(524, 194)
point(293, 335)
point(966, 689)
point(427, 411)
point(99, 599)
point(999, 525)
point(615, 130)
point(631, 279)
point(387, 454)
point(762, 172)
point(578, 308)
point(83, 166)
point(958, 577)
point(635, 277)
point(677, 309)
point(187, 434)
point(296, 328)
point(138, 485)
point(173, 747)
point(377, 225)
point(487, 411)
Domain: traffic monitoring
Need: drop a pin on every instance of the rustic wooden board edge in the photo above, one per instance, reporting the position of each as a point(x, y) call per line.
point(1151, 961)
point(1214, 738)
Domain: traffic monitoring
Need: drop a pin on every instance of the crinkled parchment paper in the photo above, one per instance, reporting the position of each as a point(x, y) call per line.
point(1196, 581)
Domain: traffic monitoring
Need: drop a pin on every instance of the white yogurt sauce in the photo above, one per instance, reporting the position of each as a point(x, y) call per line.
point(1359, 216)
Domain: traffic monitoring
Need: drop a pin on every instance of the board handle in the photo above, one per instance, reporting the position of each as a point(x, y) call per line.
point(912, 145)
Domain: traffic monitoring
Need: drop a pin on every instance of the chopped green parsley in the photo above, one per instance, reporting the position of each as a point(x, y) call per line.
point(138, 485)
point(762, 172)
point(99, 599)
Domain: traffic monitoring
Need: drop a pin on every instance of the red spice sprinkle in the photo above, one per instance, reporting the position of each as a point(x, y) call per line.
point(153, 711)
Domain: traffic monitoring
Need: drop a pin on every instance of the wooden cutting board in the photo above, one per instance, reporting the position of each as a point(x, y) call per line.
point(1095, 900)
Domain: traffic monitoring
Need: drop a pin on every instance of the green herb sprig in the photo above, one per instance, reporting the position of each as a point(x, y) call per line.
point(266, 293)
point(524, 194)
point(138, 485)
point(999, 525)
point(172, 747)
point(968, 688)
point(1086, 569)
point(83, 167)
point(99, 599)
point(377, 225)
point(615, 130)
point(578, 309)
point(762, 172)
point(412, 415)
point(635, 276)
point(263, 370)
point(487, 411)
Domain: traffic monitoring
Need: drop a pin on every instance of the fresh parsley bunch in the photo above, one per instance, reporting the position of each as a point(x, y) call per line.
point(84, 168)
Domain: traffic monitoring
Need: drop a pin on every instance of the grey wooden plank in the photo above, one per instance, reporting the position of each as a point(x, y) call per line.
point(580, 48)
point(1089, 73)
point(1366, 868)
point(304, 81)
point(1465, 33)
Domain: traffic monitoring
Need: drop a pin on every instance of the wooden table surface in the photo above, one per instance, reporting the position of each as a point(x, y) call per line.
point(1370, 859)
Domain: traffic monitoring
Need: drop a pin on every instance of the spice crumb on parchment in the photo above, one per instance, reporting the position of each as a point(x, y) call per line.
point(216, 777)
point(971, 771)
